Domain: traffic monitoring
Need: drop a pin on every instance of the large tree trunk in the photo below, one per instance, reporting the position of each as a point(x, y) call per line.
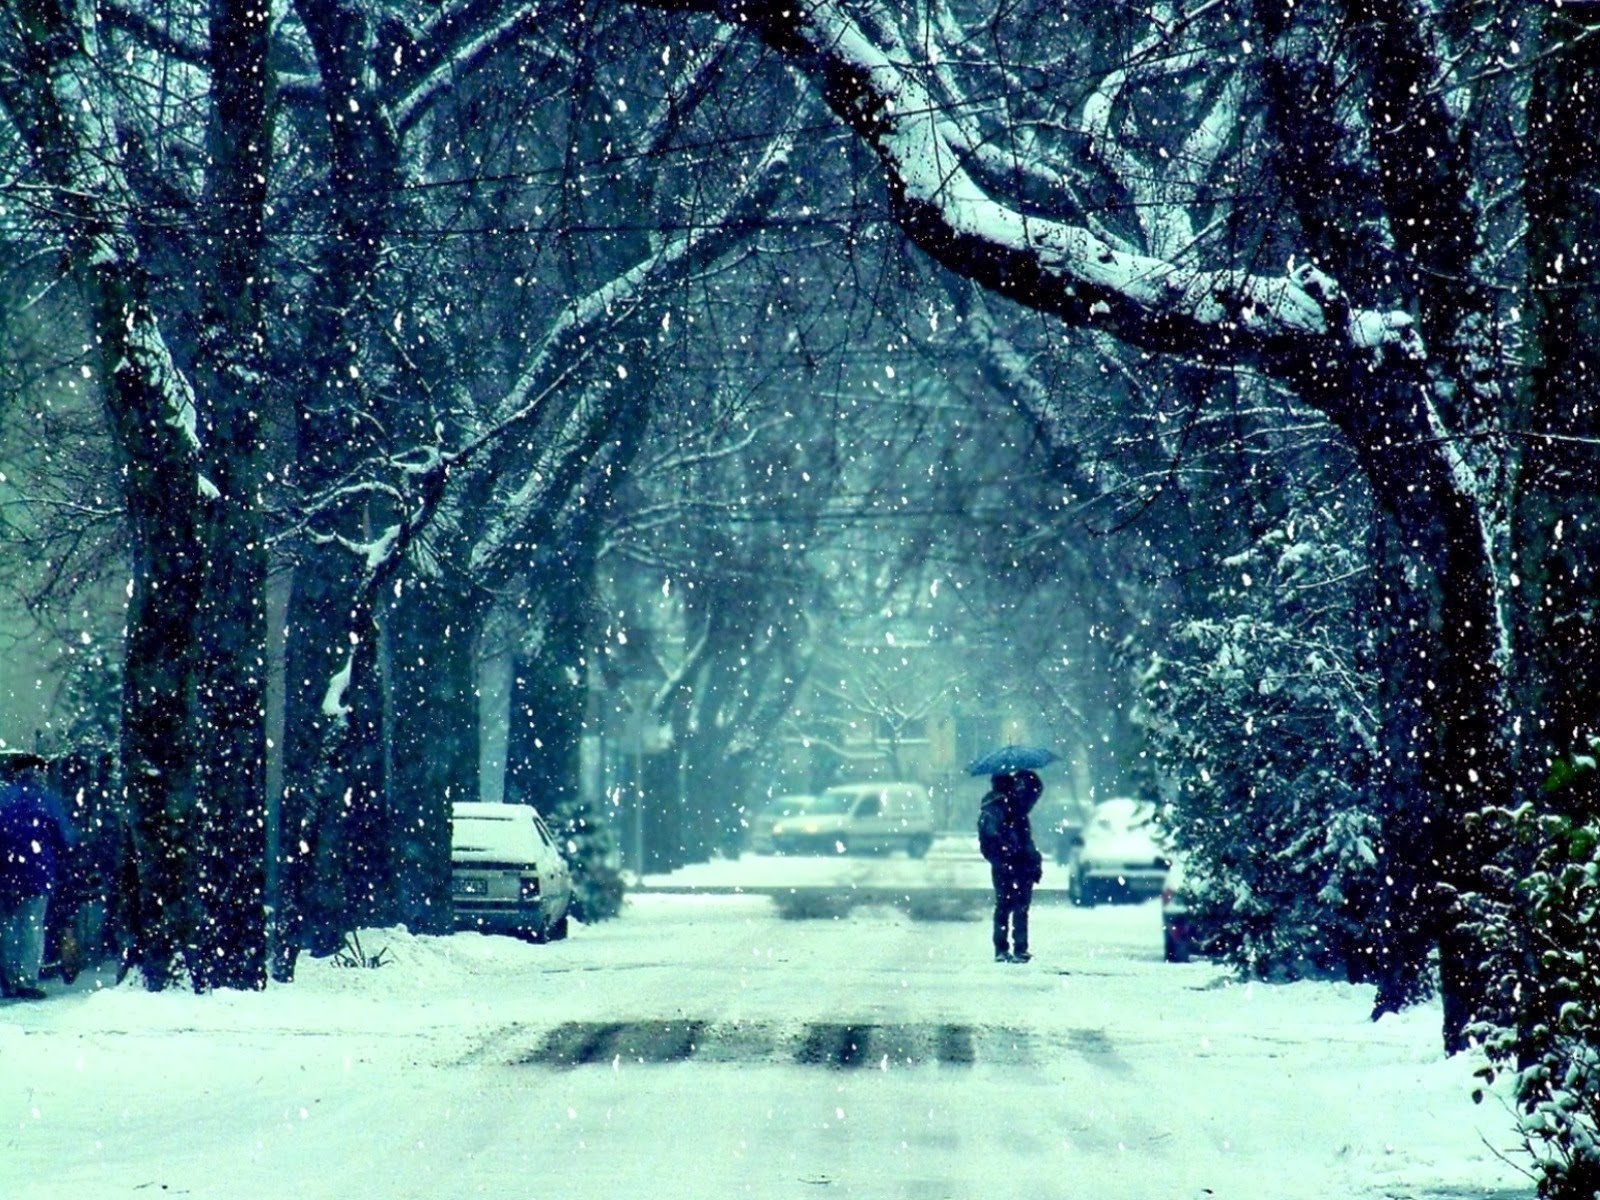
point(1445, 687)
point(1399, 963)
point(231, 633)
point(550, 687)
point(192, 745)
point(431, 670)
point(1557, 498)
point(331, 813)
point(1461, 735)
point(159, 730)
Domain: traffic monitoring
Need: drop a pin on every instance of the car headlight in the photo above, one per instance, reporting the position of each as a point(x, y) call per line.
point(812, 827)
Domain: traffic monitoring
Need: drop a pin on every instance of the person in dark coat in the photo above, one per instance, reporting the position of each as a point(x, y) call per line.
point(1005, 837)
point(35, 834)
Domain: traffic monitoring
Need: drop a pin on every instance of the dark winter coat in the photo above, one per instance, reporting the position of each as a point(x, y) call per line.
point(35, 834)
point(1005, 839)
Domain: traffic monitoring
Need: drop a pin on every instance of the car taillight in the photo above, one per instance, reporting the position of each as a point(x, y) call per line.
point(530, 887)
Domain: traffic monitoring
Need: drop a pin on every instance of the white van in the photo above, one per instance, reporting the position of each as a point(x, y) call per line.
point(862, 817)
point(506, 874)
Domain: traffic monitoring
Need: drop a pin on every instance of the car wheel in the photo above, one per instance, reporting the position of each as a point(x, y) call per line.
point(1088, 892)
point(557, 931)
point(918, 847)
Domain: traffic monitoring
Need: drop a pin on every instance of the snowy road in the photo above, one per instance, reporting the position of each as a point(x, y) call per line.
point(703, 1047)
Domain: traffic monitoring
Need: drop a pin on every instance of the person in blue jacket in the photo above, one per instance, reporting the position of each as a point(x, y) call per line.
point(35, 835)
point(1005, 838)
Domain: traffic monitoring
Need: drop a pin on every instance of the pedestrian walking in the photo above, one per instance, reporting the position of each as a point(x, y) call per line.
point(35, 834)
point(1005, 837)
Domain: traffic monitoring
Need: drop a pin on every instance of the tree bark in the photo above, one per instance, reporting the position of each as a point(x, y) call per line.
point(232, 623)
point(1557, 496)
point(330, 813)
point(431, 667)
point(194, 790)
point(550, 687)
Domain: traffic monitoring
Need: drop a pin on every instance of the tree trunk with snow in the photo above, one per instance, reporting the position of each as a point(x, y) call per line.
point(193, 762)
point(332, 431)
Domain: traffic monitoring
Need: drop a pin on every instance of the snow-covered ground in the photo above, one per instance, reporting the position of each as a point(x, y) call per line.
point(702, 1046)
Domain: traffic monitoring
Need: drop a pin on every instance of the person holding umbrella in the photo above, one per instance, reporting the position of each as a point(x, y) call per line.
point(35, 835)
point(1005, 838)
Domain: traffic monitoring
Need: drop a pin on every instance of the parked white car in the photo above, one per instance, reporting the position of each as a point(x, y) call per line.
point(1120, 857)
point(862, 818)
point(506, 872)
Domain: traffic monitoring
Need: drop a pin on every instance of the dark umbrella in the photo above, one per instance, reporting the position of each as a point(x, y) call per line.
point(1012, 758)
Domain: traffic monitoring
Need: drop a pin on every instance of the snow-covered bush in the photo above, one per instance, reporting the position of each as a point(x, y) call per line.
point(1539, 920)
point(1262, 719)
point(589, 844)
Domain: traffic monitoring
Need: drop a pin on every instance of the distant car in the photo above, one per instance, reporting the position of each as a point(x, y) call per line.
point(861, 818)
point(506, 872)
point(1119, 857)
point(1184, 934)
point(775, 810)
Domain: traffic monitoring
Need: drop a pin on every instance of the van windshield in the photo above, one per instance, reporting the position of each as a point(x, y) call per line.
point(831, 804)
point(836, 802)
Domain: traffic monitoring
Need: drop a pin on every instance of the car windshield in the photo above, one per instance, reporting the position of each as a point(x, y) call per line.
point(543, 830)
point(1120, 816)
point(832, 803)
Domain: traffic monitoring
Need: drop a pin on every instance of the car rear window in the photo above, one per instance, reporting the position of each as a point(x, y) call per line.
point(513, 837)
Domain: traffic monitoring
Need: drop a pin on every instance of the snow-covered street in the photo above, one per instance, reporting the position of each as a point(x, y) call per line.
point(704, 1047)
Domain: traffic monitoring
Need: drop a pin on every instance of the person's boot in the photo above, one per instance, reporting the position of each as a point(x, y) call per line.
point(1002, 955)
point(1019, 956)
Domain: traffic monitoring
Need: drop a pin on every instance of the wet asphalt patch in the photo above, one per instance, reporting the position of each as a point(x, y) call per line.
point(583, 1043)
point(838, 1046)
